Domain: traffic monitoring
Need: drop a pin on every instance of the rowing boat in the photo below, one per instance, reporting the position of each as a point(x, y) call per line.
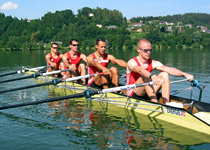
point(192, 121)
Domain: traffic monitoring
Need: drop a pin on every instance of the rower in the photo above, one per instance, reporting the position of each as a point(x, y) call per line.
point(98, 62)
point(72, 60)
point(54, 58)
point(139, 71)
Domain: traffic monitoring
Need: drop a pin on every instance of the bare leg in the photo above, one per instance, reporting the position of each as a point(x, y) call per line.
point(165, 86)
point(102, 81)
point(66, 73)
point(150, 90)
point(82, 72)
point(114, 76)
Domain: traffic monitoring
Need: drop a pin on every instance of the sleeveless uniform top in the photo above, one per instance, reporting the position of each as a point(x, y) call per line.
point(92, 69)
point(55, 60)
point(74, 61)
point(132, 77)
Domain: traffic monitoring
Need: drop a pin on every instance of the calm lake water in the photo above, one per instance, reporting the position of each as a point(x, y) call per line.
point(75, 124)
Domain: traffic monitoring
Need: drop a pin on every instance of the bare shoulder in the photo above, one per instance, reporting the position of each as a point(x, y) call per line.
point(83, 55)
point(61, 55)
point(132, 62)
point(89, 57)
point(156, 64)
point(131, 65)
point(110, 57)
point(47, 56)
point(64, 56)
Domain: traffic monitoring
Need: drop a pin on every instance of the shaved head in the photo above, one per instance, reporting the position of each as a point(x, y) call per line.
point(143, 42)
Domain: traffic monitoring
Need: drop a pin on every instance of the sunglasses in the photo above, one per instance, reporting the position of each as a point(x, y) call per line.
point(146, 50)
point(75, 45)
point(55, 47)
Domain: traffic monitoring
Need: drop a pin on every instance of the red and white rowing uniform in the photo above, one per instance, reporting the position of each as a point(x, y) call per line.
point(132, 77)
point(74, 61)
point(55, 60)
point(92, 69)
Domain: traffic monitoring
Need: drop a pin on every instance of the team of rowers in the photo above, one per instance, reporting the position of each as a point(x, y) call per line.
point(138, 69)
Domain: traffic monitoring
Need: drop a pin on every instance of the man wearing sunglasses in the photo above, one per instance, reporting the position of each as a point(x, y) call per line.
point(139, 70)
point(72, 60)
point(98, 62)
point(54, 58)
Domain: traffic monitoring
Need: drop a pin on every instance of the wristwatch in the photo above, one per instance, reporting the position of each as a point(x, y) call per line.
point(151, 74)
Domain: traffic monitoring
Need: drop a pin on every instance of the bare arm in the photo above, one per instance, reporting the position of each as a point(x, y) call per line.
point(47, 57)
point(92, 62)
point(171, 70)
point(119, 62)
point(83, 56)
point(133, 67)
point(65, 60)
point(72, 67)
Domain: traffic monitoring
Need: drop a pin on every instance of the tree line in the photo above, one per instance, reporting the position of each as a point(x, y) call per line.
point(181, 35)
point(89, 24)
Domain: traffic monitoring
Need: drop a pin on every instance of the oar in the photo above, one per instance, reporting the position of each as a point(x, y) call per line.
point(35, 75)
point(23, 70)
point(53, 82)
point(86, 94)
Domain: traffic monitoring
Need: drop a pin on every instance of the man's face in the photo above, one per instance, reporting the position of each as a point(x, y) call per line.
point(101, 47)
point(145, 50)
point(54, 48)
point(74, 46)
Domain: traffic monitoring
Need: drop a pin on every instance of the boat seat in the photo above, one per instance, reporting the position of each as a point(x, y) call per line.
point(175, 104)
point(205, 116)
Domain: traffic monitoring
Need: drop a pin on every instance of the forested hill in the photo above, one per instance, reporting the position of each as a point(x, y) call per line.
point(89, 24)
point(189, 18)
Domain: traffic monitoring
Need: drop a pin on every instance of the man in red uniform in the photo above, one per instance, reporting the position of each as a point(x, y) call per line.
point(72, 60)
point(98, 62)
point(139, 70)
point(54, 58)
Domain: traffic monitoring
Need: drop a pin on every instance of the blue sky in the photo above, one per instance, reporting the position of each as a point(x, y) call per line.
point(130, 8)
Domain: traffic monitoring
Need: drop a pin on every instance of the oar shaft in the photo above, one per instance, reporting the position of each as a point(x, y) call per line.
point(9, 73)
point(35, 75)
point(78, 95)
point(179, 81)
point(23, 70)
point(16, 79)
point(54, 72)
point(126, 87)
point(37, 68)
point(82, 77)
point(26, 87)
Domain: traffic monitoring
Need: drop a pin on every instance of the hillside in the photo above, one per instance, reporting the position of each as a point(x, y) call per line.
point(90, 24)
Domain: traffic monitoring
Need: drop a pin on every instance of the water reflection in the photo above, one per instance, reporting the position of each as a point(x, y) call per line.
point(107, 129)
